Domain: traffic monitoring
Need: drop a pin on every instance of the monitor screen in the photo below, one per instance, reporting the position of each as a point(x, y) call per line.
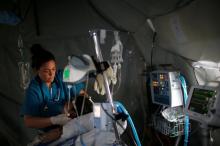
point(166, 88)
point(200, 100)
point(161, 88)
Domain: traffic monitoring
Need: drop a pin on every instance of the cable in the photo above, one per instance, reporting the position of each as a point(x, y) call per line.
point(81, 141)
point(152, 48)
point(178, 140)
point(186, 128)
point(27, 10)
point(158, 137)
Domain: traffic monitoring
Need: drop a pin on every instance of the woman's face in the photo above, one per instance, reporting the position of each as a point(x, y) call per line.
point(47, 72)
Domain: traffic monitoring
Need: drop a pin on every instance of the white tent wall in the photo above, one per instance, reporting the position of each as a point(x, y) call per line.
point(11, 96)
point(192, 32)
point(62, 28)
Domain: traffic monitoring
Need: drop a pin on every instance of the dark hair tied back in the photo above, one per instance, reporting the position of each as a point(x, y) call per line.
point(40, 56)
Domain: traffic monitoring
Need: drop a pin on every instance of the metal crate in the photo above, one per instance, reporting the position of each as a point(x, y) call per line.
point(171, 129)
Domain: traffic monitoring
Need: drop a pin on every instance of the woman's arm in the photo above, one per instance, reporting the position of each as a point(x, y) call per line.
point(37, 122)
point(42, 122)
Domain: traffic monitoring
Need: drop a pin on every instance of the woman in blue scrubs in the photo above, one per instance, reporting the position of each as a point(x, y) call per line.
point(46, 96)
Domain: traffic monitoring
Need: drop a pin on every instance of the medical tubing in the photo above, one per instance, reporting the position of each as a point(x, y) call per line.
point(84, 96)
point(74, 103)
point(186, 128)
point(69, 96)
point(81, 141)
point(130, 122)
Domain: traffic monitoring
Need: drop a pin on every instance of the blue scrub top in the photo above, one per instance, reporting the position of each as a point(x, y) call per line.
point(40, 101)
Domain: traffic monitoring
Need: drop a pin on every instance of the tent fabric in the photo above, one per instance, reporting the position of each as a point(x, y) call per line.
point(183, 34)
point(192, 32)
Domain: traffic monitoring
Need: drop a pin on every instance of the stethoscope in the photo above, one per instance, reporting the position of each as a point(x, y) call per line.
point(55, 99)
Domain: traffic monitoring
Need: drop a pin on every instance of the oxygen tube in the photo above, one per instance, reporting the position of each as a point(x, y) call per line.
point(186, 127)
point(121, 108)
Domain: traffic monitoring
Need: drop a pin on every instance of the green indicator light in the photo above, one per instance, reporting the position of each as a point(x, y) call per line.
point(66, 73)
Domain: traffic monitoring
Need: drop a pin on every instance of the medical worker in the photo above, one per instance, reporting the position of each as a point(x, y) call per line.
point(44, 106)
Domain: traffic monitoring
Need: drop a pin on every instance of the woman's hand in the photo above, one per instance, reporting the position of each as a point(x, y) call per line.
point(69, 110)
point(82, 93)
point(60, 119)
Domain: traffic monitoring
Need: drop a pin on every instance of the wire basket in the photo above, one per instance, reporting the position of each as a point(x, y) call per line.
point(171, 129)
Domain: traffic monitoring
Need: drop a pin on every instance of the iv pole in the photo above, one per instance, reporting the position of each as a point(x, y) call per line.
point(106, 83)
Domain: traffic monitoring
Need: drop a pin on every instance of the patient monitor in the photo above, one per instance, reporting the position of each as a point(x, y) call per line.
point(166, 88)
point(203, 105)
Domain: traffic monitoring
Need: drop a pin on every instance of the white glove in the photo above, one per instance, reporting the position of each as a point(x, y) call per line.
point(61, 119)
point(99, 86)
point(111, 77)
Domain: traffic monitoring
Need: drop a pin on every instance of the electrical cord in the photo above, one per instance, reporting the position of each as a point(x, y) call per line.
point(27, 10)
point(152, 48)
point(158, 137)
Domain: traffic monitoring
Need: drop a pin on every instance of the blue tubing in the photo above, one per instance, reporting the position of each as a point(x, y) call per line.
point(186, 127)
point(81, 141)
point(121, 108)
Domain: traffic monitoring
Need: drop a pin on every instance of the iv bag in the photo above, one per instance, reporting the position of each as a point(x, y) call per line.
point(24, 74)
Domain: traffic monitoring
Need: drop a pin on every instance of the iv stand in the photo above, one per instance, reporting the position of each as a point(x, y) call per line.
point(106, 83)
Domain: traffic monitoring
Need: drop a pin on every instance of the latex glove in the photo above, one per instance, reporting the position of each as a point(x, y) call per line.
point(111, 77)
point(61, 119)
point(99, 86)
